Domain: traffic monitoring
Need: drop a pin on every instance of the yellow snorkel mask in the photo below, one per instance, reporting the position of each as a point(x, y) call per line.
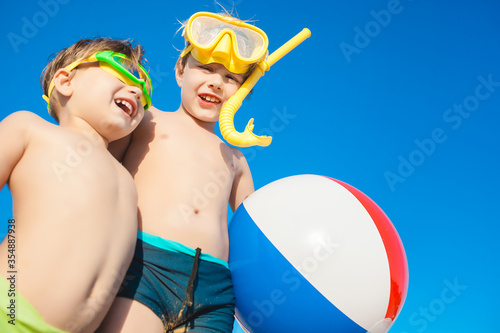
point(236, 45)
point(224, 40)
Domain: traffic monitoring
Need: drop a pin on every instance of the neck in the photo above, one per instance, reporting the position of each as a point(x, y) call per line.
point(79, 125)
point(206, 125)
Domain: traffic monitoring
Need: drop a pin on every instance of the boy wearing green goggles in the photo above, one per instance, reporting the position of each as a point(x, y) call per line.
point(75, 206)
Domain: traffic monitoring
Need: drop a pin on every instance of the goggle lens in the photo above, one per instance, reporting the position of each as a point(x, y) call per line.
point(136, 71)
point(125, 70)
point(205, 30)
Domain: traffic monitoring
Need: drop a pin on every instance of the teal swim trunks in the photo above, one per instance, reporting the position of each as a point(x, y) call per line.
point(182, 286)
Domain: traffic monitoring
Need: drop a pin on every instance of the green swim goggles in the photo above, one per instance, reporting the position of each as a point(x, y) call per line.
point(118, 65)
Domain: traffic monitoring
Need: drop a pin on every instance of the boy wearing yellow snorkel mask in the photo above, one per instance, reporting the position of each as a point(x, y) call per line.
point(74, 220)
point(185, 176)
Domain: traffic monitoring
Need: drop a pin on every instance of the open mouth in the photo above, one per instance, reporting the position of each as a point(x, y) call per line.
point(125, 106)
point(210, 99)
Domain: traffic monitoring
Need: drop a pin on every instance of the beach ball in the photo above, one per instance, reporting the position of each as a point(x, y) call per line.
point(309, 253)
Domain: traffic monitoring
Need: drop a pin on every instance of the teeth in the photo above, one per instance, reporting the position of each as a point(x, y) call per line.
point(126, 104)
point(211, 99)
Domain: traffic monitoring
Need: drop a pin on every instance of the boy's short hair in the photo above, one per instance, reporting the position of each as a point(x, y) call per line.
point(82, 50)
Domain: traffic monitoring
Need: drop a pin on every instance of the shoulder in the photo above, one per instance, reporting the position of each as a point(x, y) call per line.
point(152, 117)
point(239, 160)
point(18, 130)
point(25, 117)
point(24, 121)
point(236, 152)
point(153, 114)
point(147, 125)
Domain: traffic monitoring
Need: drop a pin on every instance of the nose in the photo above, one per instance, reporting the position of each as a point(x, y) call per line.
point(215, 81)
point(136, 91)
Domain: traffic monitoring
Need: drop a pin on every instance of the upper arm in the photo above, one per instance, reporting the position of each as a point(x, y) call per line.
point(243, 181)
point(14, 130)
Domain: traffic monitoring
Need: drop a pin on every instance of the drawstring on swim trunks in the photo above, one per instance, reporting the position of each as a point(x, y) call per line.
point(190, 288)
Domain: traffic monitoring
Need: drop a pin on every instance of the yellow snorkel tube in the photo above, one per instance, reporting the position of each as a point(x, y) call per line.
point(226, 118)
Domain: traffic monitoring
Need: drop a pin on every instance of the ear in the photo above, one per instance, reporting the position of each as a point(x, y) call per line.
point(179, 75)
point(62, 82)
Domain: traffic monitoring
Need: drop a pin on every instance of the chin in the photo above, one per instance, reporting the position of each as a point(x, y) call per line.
point(207, 118)
point(113, 132)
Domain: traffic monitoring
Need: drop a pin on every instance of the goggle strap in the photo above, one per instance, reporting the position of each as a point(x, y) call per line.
point(187, 50)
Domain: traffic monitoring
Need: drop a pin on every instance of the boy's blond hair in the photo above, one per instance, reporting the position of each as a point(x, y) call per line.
point(82, 50)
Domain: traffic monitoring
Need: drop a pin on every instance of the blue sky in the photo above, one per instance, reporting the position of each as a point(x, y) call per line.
point(400, 99)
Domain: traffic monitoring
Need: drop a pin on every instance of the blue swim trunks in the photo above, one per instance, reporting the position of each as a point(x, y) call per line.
point(182, 286)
